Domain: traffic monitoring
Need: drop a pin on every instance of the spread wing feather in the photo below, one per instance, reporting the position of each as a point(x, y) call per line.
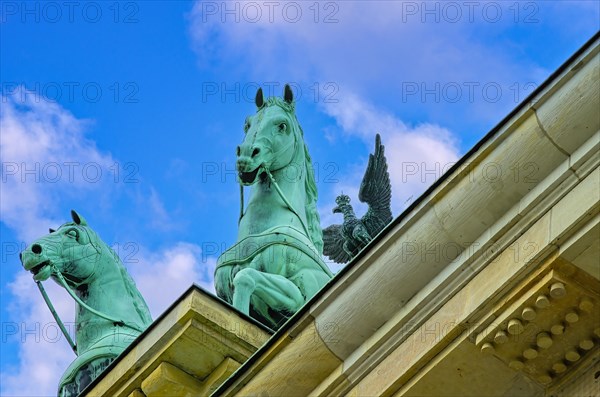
point(333, 244)
point(376, 191)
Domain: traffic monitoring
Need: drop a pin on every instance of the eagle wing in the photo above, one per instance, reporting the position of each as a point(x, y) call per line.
point(333, 244)
point(376, 191)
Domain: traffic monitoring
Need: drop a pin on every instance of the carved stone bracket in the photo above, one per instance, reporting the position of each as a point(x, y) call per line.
point(546, 327)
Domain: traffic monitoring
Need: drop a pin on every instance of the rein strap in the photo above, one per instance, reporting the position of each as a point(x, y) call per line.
point(84, 305)
point(61, 325)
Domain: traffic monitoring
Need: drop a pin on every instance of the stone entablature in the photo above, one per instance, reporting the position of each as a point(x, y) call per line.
point(188, 351)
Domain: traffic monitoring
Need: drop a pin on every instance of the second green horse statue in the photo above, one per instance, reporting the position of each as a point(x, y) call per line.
point(111, 312)
point(276, 265)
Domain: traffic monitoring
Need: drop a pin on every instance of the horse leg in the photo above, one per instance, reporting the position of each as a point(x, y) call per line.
point(243, 287)
point(310, 281)
point(274, 290)
point(279, 293)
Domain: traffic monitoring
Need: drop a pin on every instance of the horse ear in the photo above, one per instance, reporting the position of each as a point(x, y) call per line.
point(50, 230)
point(288, 95)
point(78, 219)
point(259, 100)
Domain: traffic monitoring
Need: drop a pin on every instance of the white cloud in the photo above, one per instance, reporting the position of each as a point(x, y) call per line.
point(366, 47)
point(163, 276)
point(416, 155)
point(45, 156)
point(44, 353)
point(160, 216)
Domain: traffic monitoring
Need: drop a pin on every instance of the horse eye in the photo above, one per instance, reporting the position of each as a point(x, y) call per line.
point(73, 233)
point(282, 127)
point(246, 127)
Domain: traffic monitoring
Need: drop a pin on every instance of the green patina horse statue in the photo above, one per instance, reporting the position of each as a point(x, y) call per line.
point(111, 312)
point(276, 265)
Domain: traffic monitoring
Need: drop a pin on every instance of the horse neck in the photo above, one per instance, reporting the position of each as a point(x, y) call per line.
point(105, 291)
point(291, 179)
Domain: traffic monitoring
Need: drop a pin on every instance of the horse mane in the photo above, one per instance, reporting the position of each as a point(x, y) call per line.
point(138, 300)
point(312, 215)
point(310, 186)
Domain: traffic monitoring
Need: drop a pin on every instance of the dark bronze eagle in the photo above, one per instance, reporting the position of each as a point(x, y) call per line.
point(343, 242)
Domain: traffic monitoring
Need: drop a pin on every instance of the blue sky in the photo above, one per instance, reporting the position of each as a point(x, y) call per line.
point(130, 113)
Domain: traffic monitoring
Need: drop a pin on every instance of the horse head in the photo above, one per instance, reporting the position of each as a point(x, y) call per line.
point(271, 137)
point(73, 249)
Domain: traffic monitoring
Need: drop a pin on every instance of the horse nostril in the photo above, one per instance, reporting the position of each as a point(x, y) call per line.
point(36, 249)
point(21, 256)
point(255, 152)
point(238, 151)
